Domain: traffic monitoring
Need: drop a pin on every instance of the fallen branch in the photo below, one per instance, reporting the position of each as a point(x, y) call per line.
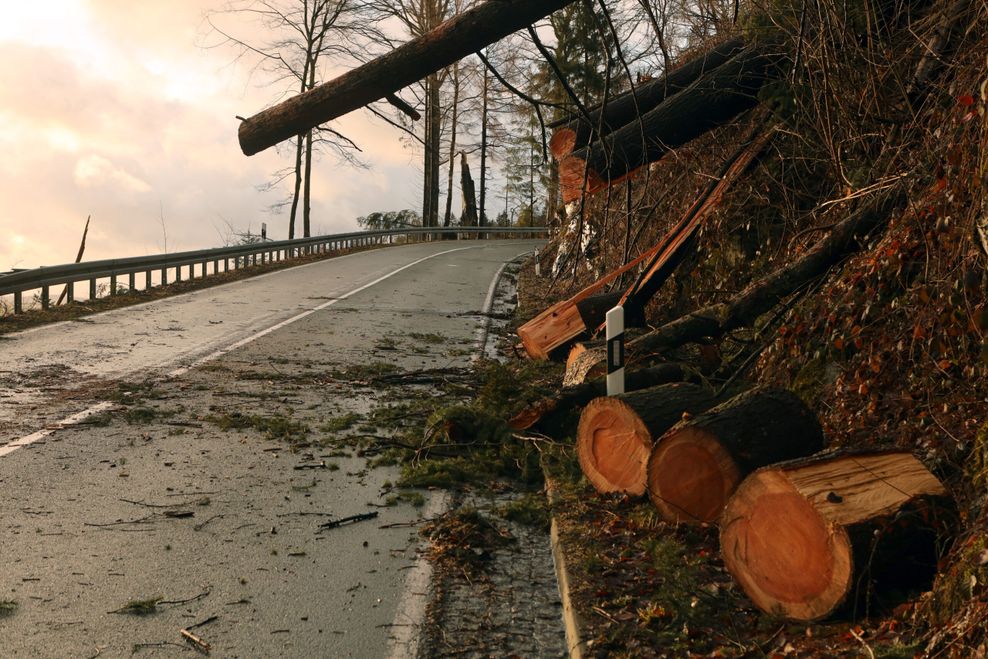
point(347, 520)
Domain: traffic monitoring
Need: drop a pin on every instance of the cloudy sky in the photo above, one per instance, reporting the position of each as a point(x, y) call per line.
point(113, 108)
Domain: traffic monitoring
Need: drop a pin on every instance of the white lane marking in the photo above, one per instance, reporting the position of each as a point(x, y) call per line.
point(403, 643)
point(325, 305)
point(480, 343)
point(10, 447)
point(68, 421)
point(410, 614)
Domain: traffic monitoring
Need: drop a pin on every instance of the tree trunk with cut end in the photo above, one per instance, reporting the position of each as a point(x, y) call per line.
point(453, 40)
point(811, 537)
point(552, 414)
point(624, 109)
point(615, 435)
point(468, 217)
point(712, 101)
point(696, 466)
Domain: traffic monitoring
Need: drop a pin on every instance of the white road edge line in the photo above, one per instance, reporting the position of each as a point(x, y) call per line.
point(10, 447)
point(410, 614)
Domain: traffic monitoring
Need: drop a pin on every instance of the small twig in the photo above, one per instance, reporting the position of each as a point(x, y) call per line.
point(200, 527)
point(860, 640)
point(347, 520)
point(196, 642)
point(186, 601)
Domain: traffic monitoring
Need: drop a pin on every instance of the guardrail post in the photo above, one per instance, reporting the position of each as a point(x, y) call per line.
point(18, 302)
point(164, 276)
point(178, 273)
point(147, 280)
point(131, 281)
point(45, 297)
point(70, 292)
point(113, 284)
point(92, 288)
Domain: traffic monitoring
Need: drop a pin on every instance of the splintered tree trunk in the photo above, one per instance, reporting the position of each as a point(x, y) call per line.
point(468, 217)
point(624, 109)
point(807, 538)
point(711, 101)
point(696, 466)
point(453, 40)
point(615, 435)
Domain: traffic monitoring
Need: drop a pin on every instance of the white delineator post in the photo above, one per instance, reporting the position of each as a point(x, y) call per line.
point(615, 351)
point(538, 266)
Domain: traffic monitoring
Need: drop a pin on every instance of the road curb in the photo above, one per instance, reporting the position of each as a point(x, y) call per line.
point(572, 621)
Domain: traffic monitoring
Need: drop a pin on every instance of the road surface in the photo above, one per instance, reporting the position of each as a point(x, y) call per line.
point(119, 485)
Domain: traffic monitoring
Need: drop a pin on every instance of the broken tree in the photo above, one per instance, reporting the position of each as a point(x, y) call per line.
point(453, 40)
point(711, 101)
point(624, 109)
point(698, 463)
point(615, 435)
point(807, 537)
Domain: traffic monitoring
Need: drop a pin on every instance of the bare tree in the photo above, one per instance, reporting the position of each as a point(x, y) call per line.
point(300, 38)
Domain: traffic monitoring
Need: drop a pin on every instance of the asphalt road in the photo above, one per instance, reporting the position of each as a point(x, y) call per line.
point(101, 509)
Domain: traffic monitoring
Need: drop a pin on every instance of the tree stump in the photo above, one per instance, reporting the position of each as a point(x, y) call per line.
point(811, 537)
point(615, 434)
point(696, 466)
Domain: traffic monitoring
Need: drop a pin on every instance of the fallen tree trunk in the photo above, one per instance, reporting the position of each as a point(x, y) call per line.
point(713, 100)
point(698, 463)
point(625, 109)
point(716, 320)
point(548, 413)
point(807, 538)
point(615, 435)
point(453, 40)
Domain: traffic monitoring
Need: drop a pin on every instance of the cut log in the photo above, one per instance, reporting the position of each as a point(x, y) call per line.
point(712, 101)
point(759, 297)
point(812, 537)
point(624, 109)
point(548, 414)
point(615, 435)
point(453, 40)
point(696, 466)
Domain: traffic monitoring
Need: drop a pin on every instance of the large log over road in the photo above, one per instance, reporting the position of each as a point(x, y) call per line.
point(807, 537)
point(450, 42)
point(713, 100)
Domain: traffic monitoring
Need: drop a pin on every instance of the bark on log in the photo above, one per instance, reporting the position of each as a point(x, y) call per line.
point(712, 101)
point(811, 537)
point(451, 41)
point(549, 414)
point(615, 435)
point(624, 109)
point(698, 463)
point(759, 297)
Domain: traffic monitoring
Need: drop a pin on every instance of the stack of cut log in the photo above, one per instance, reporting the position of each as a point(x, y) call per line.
point(804, 533)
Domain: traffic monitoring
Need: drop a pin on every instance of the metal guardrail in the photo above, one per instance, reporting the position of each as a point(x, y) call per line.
point(18, 282)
